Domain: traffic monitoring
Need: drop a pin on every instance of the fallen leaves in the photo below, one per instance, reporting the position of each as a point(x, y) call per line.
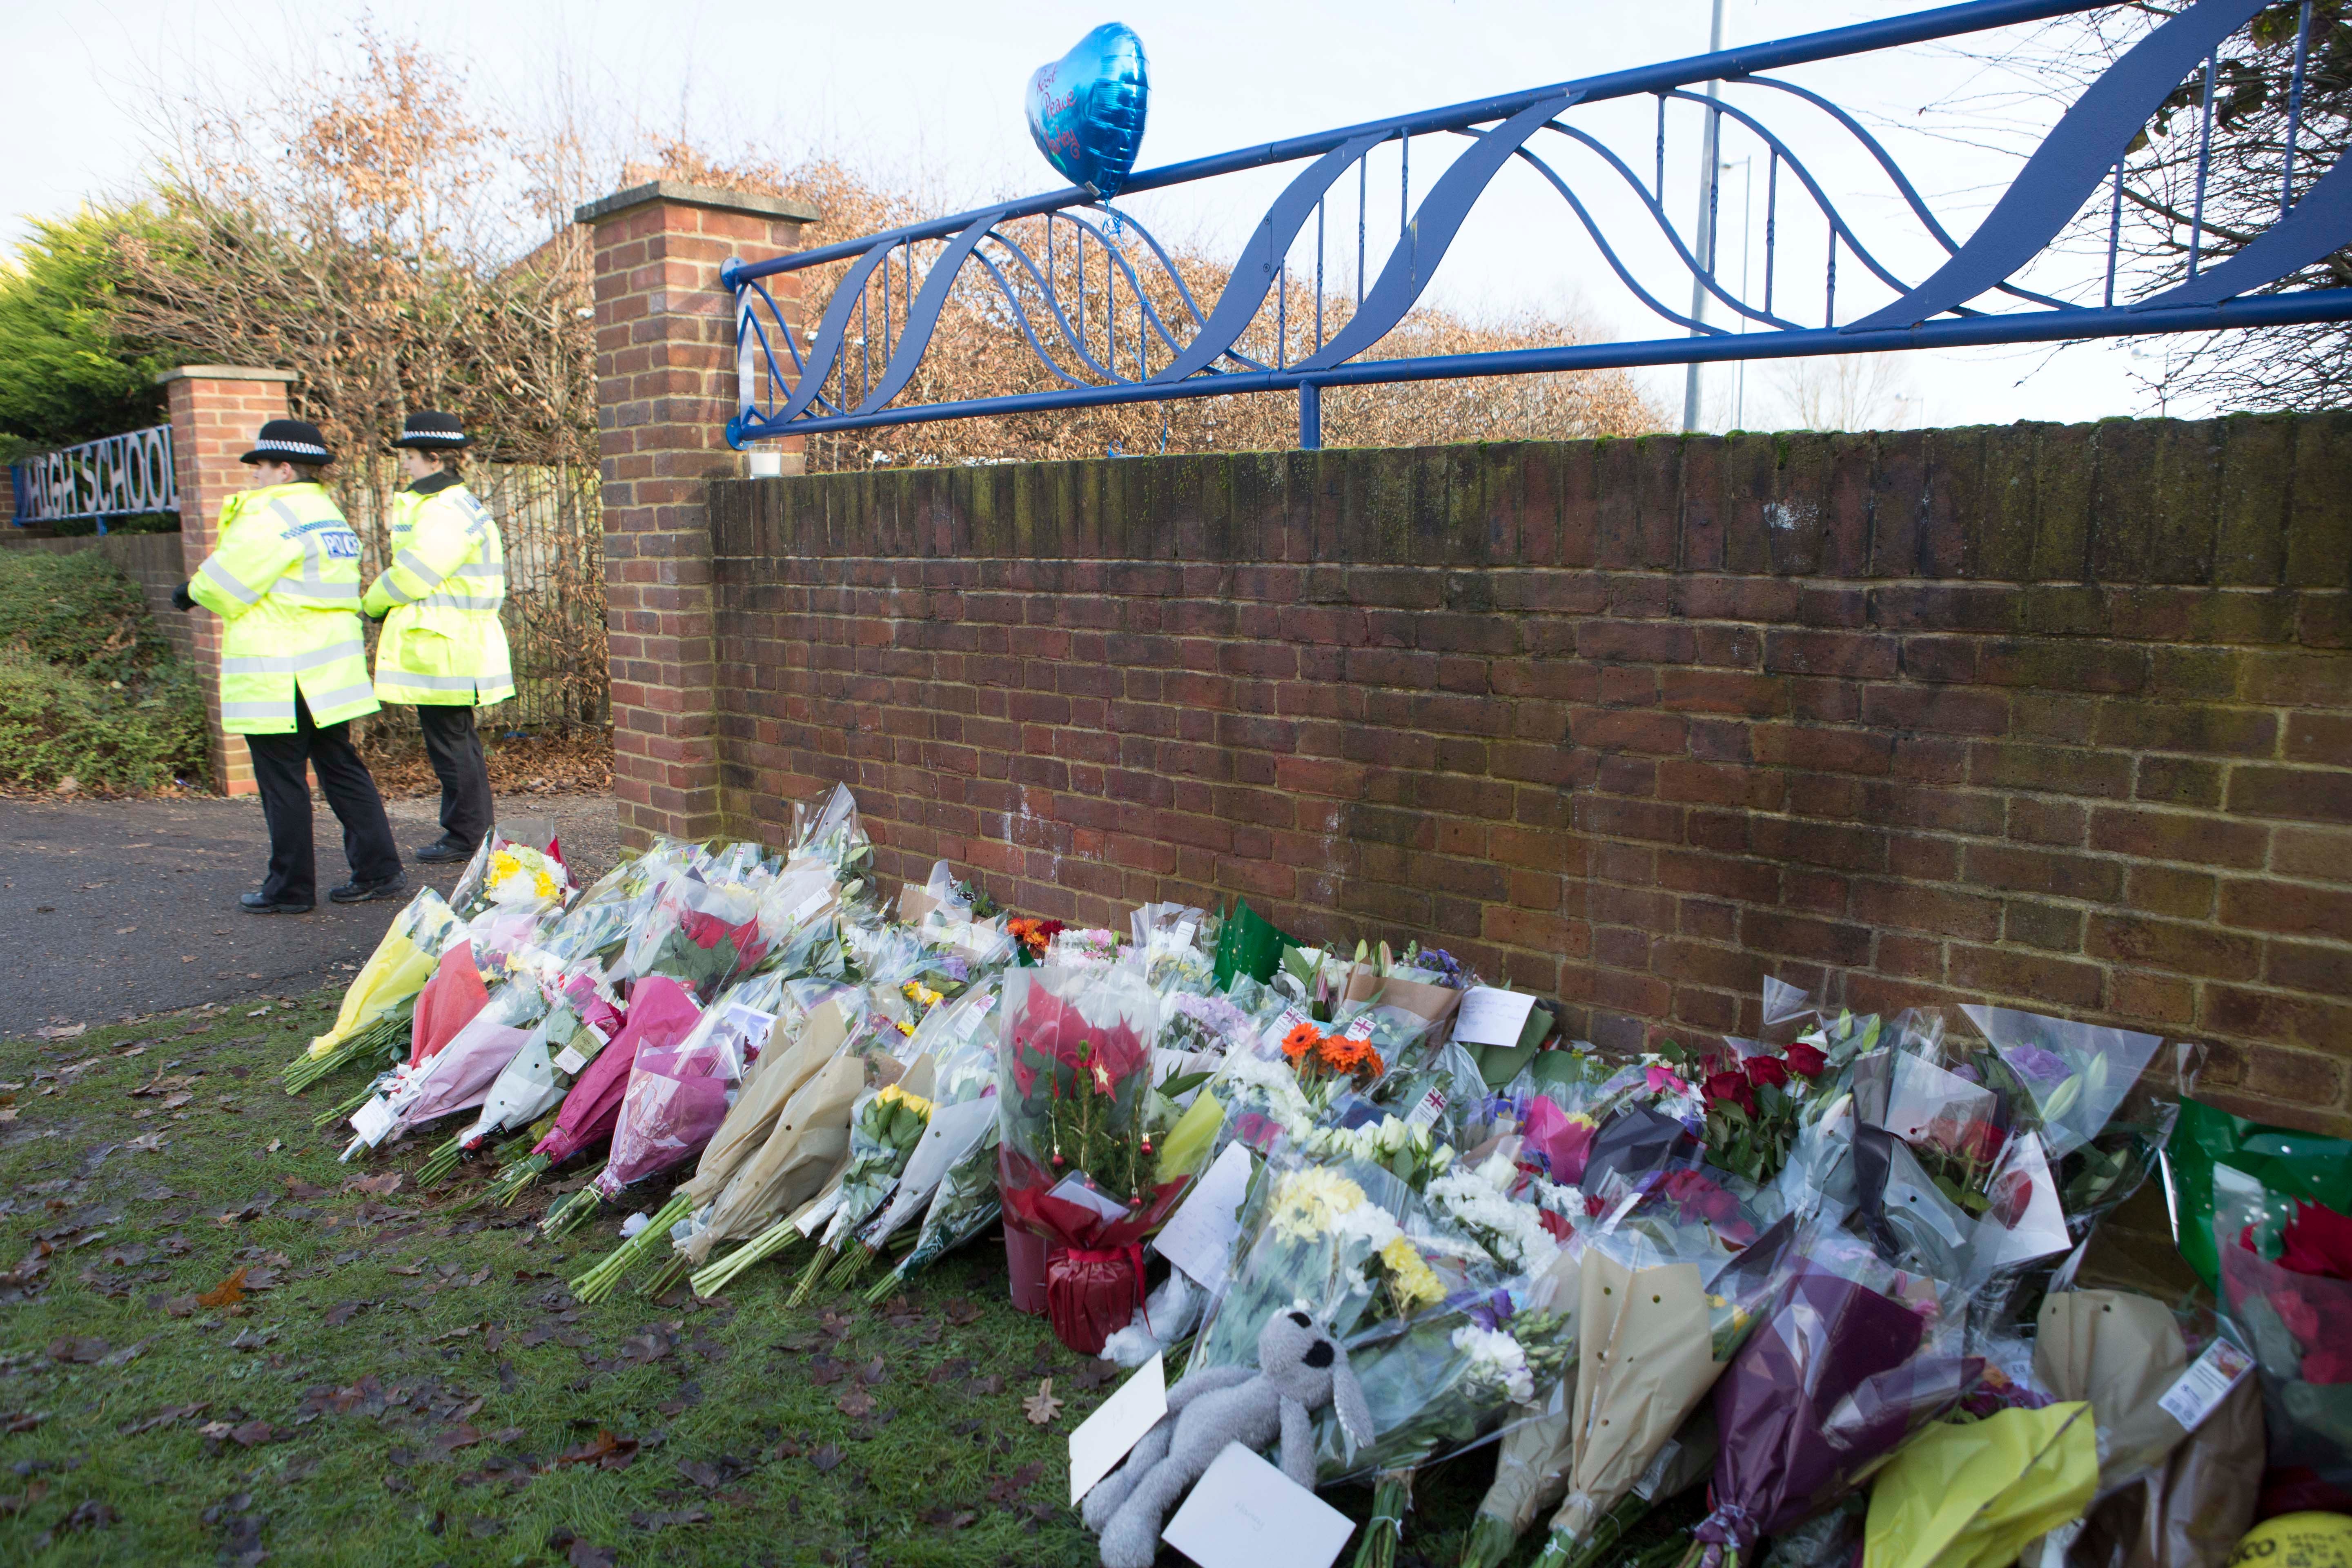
point(17, 1502)
point(147, 1142)
point(855, 1403)
point(960, 1313)
point(228, 1293)
point(81, 1352)
point(382, 1186)
point(1042, 1408)
point(14, 1422)
point(461, 1436)
point(168, 1415)
point(605, 1451)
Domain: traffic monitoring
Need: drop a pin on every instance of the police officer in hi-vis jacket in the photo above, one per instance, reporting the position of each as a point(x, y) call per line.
point(443, 648)
point(286, 580)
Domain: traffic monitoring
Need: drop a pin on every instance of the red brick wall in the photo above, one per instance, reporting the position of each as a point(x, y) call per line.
point(2055, 716)
point(665, 386)
point(217, 411)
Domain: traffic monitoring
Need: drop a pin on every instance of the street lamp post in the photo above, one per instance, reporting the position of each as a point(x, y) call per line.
point(1705, 251)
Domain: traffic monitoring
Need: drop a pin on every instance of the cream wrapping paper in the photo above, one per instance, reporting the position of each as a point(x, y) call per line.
point(810, 1141)
point(1644, 1361)
point(2122, 1351)
point(775, 1080)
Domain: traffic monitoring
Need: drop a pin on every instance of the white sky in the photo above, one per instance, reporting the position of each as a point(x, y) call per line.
point(934, 89)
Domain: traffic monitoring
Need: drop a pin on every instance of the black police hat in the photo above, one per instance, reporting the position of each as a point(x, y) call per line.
point(429, 430)
point(289, 441)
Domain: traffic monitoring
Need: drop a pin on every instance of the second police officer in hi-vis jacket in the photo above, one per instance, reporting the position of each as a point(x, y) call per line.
point(443, 650)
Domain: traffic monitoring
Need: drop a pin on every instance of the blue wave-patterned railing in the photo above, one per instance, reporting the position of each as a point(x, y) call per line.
point(1052, 268)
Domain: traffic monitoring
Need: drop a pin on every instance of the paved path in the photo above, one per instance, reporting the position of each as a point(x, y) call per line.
point(114, 909)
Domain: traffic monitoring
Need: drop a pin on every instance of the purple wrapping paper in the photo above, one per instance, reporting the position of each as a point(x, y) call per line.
point(1829, 1380)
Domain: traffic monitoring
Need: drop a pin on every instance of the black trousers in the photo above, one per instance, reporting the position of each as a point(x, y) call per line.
point(277, 767)
point(455, 749)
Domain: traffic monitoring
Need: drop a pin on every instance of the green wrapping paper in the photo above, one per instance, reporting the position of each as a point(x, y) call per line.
point(2303, 1164)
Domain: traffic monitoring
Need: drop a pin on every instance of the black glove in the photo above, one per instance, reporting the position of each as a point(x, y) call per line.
point(182, 599)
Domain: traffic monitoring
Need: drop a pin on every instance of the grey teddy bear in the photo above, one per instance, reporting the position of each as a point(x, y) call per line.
point(1301, 1370)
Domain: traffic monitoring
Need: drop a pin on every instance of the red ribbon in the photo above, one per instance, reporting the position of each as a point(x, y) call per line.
point(1092, 1293)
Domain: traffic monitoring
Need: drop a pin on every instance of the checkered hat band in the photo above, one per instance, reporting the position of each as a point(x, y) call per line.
point(271, 443)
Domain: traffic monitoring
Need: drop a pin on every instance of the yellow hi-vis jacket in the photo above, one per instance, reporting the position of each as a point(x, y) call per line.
point(442, 643)
point(286, 578)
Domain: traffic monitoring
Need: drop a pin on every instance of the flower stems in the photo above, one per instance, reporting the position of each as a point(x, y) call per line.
point(678, 1267)
point(1391, 1499)
point(321, 1124)
point(306, 1069)
point(767, 1243)
point(816, 1266)
point(1491, 1540)
point(441, 1161)
point(513, 1181)
point(600, 1280)
point(572, 1211)
point(854, 1259)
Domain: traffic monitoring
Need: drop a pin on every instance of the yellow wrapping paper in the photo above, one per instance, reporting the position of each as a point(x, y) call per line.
point(1189, 1141)
point(1971, 1494)
point(774, 1078)
point(2122, 1351)
point(397, 969)
point(1644, 1361)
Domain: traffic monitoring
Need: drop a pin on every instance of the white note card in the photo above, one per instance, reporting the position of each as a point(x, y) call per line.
point(373, 1121)
point(2209, 1379)
point(1245, 1513)
point(569, 1059)
point(1492, 1017)
point(1199, 1236)
point(1103, 1440)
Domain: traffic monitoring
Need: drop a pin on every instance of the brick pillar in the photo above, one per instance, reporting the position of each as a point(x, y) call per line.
point(665, 388)
point(217, 411)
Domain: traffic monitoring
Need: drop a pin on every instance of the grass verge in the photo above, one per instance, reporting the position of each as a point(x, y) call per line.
point(405, 1379)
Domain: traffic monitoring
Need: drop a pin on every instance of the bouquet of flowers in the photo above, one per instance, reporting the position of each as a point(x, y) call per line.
point(1075, 1158)
point(808, 1148)
point(1854, 1355)
point(459, 1074)
point(961, 1037)
point(1532, 1462)
point(800, 1022)
point(682, 1079)
point(596, 931)
point(660, 1010)
point(449, 1001)
point(386, 985)
point(1438, 1381)
point(581, 1020)
point(704, 929)
point(679, 1104)
point(964, 1205)
point(2101, 1120)
point(1980, 1491)
point(1662, 1309)
point(2286, 1283)
point(883, 1129)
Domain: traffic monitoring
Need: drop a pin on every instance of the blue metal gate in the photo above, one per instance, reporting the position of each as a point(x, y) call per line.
point(1094, 296)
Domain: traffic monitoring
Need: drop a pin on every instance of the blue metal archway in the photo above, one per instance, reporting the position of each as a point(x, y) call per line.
point(1094, 297)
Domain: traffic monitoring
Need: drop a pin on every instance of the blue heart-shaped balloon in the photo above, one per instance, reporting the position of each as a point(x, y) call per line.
point(1085, 110)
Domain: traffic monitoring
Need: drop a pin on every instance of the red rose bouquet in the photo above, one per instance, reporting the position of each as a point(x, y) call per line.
point(2286, 1283)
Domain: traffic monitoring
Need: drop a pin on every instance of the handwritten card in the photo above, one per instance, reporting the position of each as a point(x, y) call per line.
point(1103, 1440)
point(1245, 1513)
point(1492, 1017)
point(1199, 1237)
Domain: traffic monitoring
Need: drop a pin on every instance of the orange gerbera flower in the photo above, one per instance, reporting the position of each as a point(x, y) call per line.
point(1302, 1038)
